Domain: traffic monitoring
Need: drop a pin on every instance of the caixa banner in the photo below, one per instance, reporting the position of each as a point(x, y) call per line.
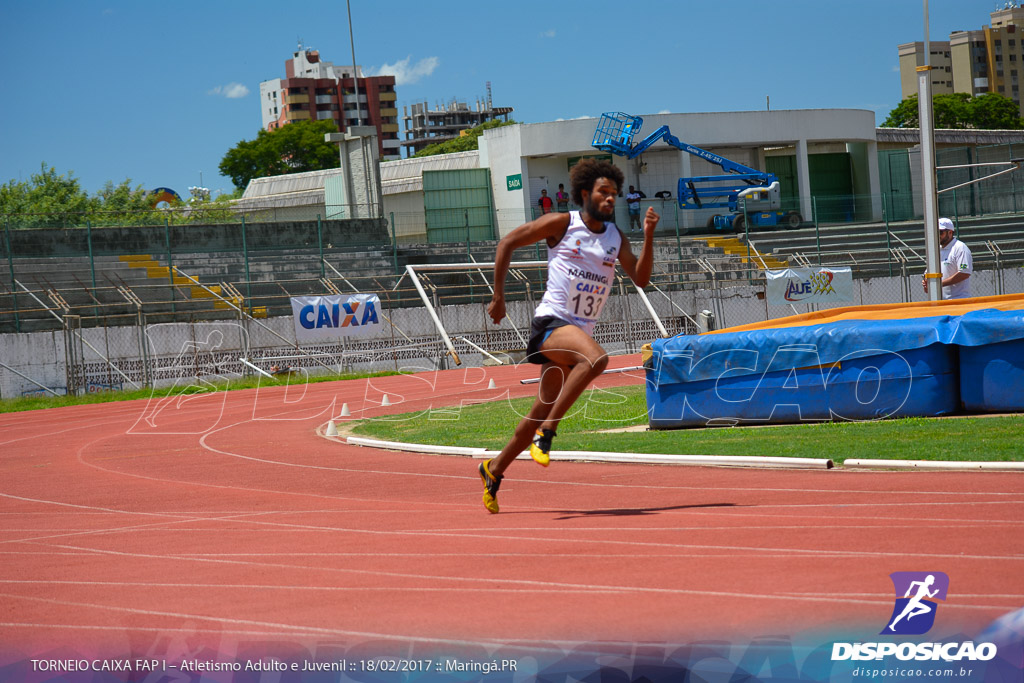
point(325, 318)
point(809, 286)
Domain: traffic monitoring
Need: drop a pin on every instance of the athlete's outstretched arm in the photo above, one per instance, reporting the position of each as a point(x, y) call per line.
point(639, 269)
point(547, 227)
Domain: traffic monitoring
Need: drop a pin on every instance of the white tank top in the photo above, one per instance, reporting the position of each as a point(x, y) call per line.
point(581, 273)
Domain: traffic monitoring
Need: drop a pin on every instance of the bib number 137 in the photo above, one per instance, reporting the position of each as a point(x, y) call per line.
point(588, 305)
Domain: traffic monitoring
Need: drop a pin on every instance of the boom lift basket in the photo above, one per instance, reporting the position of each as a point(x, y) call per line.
point(615, 132)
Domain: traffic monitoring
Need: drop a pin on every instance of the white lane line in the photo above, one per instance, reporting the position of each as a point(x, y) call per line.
point(182, 518)
point(600, 541)
point(47, 434)
point(438, 534)
point(994, 596)
point(874, 597)
point(498, 584)
point(290, 629)
point(193, 483)
point(297, 555)
point(471, 478)
point(618, 529)
point(805, 553)
point(738, 512)
point(329, 589)
point(152, 629)
point(205, 445)
point(530, 647)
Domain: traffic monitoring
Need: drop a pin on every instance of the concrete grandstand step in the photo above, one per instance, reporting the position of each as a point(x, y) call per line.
point(873, 236)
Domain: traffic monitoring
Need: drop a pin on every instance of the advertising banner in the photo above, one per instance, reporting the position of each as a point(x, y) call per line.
point(326, 318)
point(809, 286)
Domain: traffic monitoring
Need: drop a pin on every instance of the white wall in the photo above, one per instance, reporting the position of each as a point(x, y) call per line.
point(270, 99)
point(541, 149)
point(410, 216)
point(41, 355)
point(500, 150)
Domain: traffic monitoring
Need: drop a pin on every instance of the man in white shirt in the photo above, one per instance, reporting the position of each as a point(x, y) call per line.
point(957, 263)
point(633, 198)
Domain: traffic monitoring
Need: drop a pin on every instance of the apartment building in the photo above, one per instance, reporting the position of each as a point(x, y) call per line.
point(989, 59)
point(912, 56)
point(313, 89)
point(425, 126)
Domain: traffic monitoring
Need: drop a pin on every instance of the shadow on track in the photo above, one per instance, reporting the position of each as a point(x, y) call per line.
point(631, 512)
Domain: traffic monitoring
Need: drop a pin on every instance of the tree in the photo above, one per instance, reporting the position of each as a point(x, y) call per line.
point(905, 115)
point(123, 197)
point(952, 111)
point(466, 142)
point(992, 111)
point(959, 110)
point(46, 193)
point(293, 148)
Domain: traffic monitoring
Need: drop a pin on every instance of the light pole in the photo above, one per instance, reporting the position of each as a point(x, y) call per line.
point(355, 74)
point(933, 269)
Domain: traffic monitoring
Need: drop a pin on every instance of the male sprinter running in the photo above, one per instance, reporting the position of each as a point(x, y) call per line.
point(582, 249)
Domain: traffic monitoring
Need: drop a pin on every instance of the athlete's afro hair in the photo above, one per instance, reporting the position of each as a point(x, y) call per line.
point(585, 174)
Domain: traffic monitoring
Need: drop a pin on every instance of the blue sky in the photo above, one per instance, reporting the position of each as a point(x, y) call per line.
point(158, 93)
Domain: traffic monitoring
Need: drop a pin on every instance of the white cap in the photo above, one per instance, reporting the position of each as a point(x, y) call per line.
point(945, 224)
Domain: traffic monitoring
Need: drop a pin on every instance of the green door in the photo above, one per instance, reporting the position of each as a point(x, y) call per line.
point(832, 187)
point(458, 205)
point(897, 187)
point(784, 167)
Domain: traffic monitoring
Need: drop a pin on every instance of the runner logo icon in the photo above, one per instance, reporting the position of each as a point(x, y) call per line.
point(914, 611)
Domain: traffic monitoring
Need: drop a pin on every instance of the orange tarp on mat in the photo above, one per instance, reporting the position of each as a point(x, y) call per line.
point(922, 309)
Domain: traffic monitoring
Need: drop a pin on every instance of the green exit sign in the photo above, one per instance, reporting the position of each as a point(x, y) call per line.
point(515, 182)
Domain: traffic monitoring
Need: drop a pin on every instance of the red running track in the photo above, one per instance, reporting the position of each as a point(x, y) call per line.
point(225, 519)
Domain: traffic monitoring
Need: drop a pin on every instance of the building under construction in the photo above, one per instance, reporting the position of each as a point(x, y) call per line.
point(425, 126)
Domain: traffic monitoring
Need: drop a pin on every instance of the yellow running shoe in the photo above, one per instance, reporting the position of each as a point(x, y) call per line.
point(540, 449)
point(491, 485)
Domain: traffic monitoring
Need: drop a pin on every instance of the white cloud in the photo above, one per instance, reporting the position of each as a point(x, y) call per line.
point(405, 74)
point(664, 111)
point(232, 91)
point(550, 33)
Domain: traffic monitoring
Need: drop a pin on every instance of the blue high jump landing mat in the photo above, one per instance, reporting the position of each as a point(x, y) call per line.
point(852, 363)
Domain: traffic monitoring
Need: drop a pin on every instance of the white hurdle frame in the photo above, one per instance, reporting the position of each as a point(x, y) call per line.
point(411, 271)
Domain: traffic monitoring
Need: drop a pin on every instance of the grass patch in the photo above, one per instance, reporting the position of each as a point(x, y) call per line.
point(23, 403)
point(490, 425)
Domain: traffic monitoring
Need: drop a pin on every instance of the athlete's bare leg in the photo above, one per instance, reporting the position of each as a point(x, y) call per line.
point(552, 377)
point(570, 346)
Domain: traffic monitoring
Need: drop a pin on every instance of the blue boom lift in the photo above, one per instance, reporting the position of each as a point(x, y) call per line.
point(755, 191)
